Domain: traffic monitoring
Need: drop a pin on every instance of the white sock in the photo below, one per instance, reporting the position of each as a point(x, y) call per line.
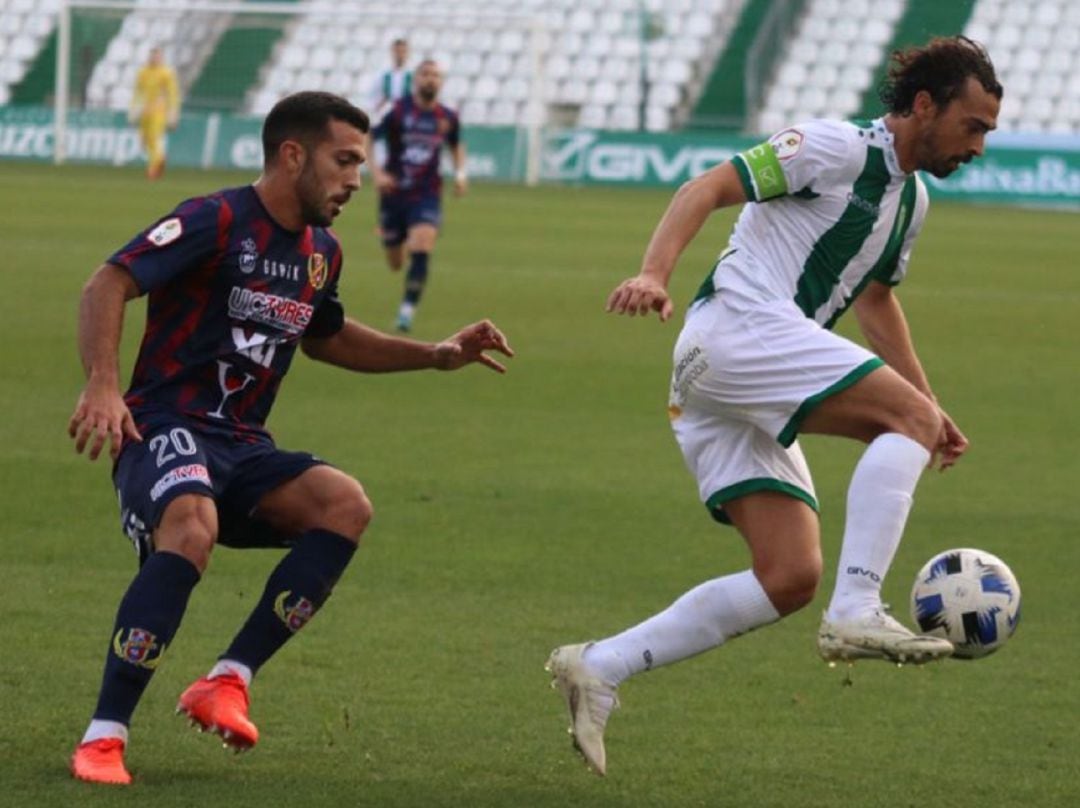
point(225, 666)
point(703, 618)
point(105, 729)
point(879, 499)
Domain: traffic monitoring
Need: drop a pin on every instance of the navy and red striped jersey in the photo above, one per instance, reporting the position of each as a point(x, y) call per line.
point(231, 292)
point(414, 140)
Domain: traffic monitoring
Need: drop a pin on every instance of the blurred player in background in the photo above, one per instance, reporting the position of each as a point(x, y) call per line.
point(237, 280)
point(415, 129)
point(155, 106)
point(392, 84)
point(837, 209)
point(387, 87)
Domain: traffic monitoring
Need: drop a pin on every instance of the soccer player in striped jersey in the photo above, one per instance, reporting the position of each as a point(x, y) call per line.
point(835, 211)
point(237, 281)
point(415, 131)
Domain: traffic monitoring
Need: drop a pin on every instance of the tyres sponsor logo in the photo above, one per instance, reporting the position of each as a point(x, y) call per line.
point(193, 472)
point(269, 309)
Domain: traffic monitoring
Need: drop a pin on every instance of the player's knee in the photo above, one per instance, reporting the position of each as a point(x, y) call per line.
point(791, 586)
point(922, 422)
point(349, 511)
point(189, 529)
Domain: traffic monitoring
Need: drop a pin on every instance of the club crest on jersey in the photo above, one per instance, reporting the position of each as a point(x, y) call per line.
point(317, 271)
point(787, 144)
point(138, 648)
point(166, 233)
point(249, 256)
point(295, 615)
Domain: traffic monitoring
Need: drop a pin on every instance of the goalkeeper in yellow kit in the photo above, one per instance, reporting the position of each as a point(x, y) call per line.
point(155, 105)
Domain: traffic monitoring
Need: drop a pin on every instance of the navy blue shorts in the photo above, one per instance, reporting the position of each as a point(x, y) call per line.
point(399, 212)
point(180, 455)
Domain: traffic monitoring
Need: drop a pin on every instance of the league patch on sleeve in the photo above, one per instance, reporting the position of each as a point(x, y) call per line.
point(787, 144)
point(166, 233)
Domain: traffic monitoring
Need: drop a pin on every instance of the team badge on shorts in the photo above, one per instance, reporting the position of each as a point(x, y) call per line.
point(316, 270)
point(296, 615)
point(139, 648)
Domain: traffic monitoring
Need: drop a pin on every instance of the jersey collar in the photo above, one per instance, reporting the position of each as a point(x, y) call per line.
point(887, 143)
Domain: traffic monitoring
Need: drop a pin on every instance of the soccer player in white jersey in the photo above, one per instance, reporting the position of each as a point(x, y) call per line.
point(391, 84)
point(756, 364)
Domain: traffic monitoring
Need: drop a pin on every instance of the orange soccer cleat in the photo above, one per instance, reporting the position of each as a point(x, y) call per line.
point(220, 705)
point(100, 761)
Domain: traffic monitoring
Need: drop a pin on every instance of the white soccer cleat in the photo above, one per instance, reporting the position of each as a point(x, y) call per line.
point(877, 636)
point(589, 698)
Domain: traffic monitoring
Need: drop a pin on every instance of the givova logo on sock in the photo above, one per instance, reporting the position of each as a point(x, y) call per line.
point(140, 648)
point(865, 573)
point(295, 615)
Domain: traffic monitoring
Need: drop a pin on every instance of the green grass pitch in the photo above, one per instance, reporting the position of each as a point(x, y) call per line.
point(547, 506)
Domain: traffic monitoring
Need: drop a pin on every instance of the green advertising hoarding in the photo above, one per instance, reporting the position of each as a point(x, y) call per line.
point(1039, 170)
point(208, 141)
point(1014, 170)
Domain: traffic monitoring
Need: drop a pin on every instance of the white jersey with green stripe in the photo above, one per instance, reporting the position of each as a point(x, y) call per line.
point(836, 213)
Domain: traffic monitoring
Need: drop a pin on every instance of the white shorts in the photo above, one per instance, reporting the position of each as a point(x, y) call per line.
point(746, 375)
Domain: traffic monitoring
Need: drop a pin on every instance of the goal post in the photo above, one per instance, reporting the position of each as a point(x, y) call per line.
point(234, 59)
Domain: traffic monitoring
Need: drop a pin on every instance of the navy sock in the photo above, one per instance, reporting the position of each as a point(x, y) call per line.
point(416, 277)
point(148, 617)
point(295, 590)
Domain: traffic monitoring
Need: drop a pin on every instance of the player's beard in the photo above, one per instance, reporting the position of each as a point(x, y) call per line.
point(311, 197)
point(936, 161)
point(427, 94)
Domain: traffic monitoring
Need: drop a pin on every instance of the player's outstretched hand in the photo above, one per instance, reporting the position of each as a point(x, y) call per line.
point(640, 295)
point(101, 415)
point(385, 183)
point(951, 444)
point(468, 345)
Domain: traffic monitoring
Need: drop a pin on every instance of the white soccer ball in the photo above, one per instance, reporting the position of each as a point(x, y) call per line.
point(970, 598)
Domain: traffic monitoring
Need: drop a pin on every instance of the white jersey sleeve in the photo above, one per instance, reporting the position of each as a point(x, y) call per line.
point(796, 159)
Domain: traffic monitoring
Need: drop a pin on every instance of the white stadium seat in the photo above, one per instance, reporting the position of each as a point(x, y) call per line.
point(593, 116)
point(624, 117)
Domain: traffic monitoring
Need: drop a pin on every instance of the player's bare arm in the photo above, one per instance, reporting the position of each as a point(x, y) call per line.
point(101, 413)
point(882, 321)
point(382, 180)
point(718, 187)
point(357, 347)
point(461, 178)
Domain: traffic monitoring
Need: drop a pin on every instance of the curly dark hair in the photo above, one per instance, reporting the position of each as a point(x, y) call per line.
point(304, 116)
point(941, 67)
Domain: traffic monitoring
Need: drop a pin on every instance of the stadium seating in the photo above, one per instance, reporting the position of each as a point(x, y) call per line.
point(829, 61)
point(187, 39)
point(590, 54)
point(24, 27)
point(1035, 45)
point(594, 66)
